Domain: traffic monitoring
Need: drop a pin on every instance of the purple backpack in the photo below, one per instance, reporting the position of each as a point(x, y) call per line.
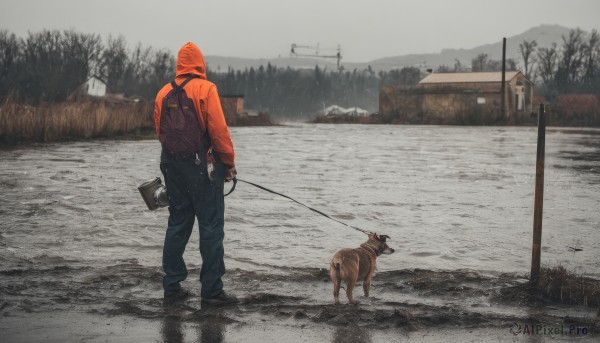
point(180, 132)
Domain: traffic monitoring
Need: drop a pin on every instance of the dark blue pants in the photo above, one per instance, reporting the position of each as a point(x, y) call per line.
point(192, 195)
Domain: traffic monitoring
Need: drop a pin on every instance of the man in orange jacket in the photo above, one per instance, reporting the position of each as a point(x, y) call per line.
point(192, 193)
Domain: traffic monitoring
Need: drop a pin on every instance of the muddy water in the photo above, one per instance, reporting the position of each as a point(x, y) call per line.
point(457, 202)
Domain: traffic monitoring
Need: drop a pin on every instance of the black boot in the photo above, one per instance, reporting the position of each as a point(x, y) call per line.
point(221, 299)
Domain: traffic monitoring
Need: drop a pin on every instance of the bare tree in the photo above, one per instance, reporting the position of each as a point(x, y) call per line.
point(43, 57)
point(9, 56)
point(492, 65)
point(458, 67)
point(81, 57)
point(9, 51)
point(161, 71)
point(443, 69)
point(591, 59)
point(527, 50)
point(480, 63)
point(483, 63)
point(568, 73)
point(137, 70)
point(547, 61)
point(113, 64)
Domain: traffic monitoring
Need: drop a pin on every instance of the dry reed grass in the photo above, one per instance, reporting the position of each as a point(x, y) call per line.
point(558, 284)
point(91, 118)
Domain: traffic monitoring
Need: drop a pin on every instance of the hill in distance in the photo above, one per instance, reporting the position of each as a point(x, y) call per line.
point(545, 35)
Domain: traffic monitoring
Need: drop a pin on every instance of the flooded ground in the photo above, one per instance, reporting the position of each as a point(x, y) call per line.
point(80, 254)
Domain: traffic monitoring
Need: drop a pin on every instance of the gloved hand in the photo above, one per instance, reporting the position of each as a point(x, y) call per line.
point(230, 173)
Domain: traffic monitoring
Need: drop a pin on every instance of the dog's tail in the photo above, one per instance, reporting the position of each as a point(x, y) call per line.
point(335, 270)
point(336, 266)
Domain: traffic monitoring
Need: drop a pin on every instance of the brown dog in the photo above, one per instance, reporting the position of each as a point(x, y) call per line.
point(351, 265)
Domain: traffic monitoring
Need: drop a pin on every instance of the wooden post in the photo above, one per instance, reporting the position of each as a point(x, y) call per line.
point(503, 86)
point(539, 198)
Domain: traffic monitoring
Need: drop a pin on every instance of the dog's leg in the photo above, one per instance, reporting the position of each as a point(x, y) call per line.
point(367, 286)
point(350, 286)
point(334, 273)
point(336, 291)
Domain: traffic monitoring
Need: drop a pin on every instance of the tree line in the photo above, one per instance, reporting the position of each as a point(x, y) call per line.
point(48, 66)
point(303, 92)
point(573, 67)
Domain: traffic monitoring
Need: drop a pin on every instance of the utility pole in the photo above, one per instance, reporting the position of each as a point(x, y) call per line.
point(503, 86)
point(539, 199)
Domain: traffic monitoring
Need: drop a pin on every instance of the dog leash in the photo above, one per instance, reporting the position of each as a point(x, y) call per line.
point(235, 180)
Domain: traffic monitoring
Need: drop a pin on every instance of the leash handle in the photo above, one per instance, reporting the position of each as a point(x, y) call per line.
point(235, 180)
point(298, 202)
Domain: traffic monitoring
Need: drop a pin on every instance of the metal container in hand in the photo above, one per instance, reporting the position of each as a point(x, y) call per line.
point(154, 194)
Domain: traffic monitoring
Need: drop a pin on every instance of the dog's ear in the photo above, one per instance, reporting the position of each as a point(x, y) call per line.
point(383, 238)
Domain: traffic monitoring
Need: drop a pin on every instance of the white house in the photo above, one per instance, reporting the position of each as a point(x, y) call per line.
point(95, 87)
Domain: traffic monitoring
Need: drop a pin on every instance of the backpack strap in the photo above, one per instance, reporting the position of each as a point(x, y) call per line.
point(179, 88)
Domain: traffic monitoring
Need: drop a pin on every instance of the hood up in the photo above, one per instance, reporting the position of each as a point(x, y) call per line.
point(190, 61)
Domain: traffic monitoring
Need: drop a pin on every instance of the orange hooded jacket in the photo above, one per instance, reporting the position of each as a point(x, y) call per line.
point(203, 93)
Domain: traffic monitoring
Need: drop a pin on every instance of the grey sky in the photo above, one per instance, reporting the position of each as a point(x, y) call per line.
point(366, 30)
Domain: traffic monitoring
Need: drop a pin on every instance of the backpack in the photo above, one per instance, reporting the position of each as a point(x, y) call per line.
point(180, 132)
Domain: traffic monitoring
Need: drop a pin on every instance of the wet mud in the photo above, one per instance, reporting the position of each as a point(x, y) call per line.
point(403, 301)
